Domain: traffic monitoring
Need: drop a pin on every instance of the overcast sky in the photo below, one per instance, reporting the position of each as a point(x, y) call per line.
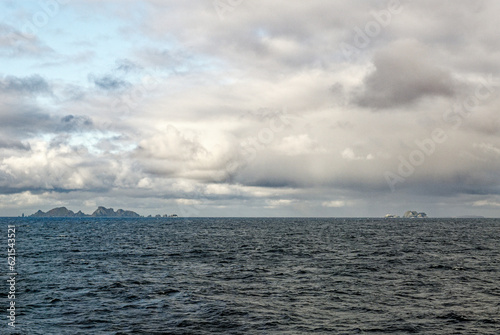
point(250, 108)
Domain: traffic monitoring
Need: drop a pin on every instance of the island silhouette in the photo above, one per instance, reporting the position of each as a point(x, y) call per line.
point(99, 212)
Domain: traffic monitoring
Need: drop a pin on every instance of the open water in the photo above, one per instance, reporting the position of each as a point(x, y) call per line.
point(255, 276)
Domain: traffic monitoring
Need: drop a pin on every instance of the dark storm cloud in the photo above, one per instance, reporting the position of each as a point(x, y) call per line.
point(34, 84)
point(404, 74)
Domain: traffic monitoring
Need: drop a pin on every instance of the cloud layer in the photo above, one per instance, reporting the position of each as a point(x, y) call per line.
point(252, 108)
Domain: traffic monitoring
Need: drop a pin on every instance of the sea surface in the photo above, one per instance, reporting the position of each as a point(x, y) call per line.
point(254, 276)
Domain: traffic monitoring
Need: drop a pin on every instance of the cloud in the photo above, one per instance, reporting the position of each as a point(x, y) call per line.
point(70, 123)
point(349, 154)
point(109, 82)
point(171, 145)
point(27, 123)
point(404, 74)
point(298, 145)
point(202, 156)
point(278, 203)
point(171, 59)
point(33, 84)
point(24, 120)
point(14, 43)
point(8, 143)
point(82, 57)
point(334, 203)
point(252, 112)
point(486, 203)
point(59, 167)
point(126, 66)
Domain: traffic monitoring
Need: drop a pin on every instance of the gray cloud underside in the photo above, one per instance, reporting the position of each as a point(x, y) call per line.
point(109, 82)
point(34, 84)
point(404, 73)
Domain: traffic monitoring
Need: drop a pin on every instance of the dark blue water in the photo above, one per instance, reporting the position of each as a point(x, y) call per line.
point(256, 276)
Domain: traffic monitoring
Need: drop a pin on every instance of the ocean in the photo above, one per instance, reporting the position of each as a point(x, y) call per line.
point(254, 276)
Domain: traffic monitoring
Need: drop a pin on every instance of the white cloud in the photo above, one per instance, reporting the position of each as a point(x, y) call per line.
point(349, 154)
point(334, 203)
point(278, 203)
point(188, 202)
point(486, 203)
point(26, 198)
point(296, 145)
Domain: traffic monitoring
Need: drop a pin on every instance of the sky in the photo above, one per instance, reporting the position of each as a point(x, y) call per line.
point(250, 108)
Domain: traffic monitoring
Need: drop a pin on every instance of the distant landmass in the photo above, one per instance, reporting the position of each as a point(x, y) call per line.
point(414, 214)
point(407, 214)
point(99, 212)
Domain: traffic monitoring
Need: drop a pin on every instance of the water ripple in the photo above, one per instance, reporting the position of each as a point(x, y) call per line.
point(257, 276)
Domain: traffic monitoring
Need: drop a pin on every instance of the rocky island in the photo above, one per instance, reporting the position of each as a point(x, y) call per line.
point(414, 214)
point(407, 214)
point(99, 212)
